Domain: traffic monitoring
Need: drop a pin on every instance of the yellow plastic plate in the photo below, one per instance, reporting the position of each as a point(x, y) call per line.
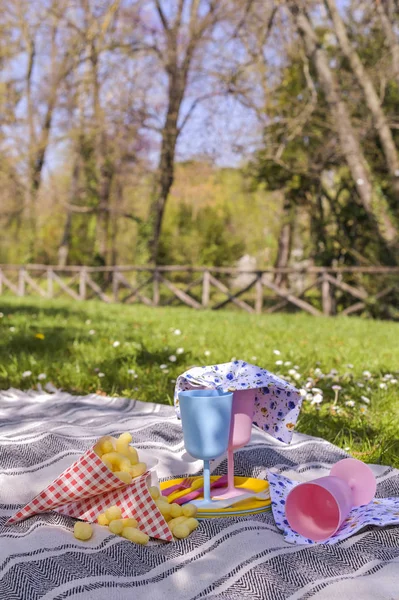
point(244, 508)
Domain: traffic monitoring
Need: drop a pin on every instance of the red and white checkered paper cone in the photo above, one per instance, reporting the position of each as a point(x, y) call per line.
point(87, 488)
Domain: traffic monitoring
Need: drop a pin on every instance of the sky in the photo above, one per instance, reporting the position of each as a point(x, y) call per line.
point(222, 129)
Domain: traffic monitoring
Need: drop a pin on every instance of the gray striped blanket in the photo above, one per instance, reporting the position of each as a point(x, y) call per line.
point(41, 434)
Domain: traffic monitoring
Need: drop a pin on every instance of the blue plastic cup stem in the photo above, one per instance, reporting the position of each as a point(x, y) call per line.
point(206, 418)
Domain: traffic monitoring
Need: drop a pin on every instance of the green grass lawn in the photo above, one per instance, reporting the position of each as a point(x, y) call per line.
point(138, 352)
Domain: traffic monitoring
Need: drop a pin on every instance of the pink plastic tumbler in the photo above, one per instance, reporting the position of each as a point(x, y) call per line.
point(240, 434)
point(317, 509)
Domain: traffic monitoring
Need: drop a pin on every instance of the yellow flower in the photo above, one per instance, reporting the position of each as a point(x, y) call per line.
point(39, 336)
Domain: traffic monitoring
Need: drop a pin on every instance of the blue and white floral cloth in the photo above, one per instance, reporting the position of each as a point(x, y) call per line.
point(380, 511)
point(277, 403)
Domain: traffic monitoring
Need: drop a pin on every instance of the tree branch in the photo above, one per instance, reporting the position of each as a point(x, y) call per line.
point(162, 16)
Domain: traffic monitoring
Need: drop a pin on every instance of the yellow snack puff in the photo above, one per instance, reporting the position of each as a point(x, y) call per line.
point(135, 535)
point(189, 510)
point(103, 446)
point(117, 460)
point(116, 526)
point(181, 531)
point(122, 443)
point(124, 438)
point(129, 522)
point(107, 446)
point(124, 476)
point(164, 508)
point(107, 463)
point(154, 491)
point(102, 519)
point(82, 531)
point(138, 469)
point(177, 521)
point(191, 523)
point(113, 512)
point(176, 510)
point(133, 455)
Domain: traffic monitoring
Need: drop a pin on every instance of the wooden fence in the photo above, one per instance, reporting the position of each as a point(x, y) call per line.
point(315, 290)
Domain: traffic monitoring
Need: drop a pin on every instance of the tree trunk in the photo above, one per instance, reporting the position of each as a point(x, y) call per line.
point(114, 225)
point(103, 213)
point(390, 37)
point(103, 170)
point(285, 241)
point(63, 249)
point(370, 94)
point(375, 206)
point(166, 166)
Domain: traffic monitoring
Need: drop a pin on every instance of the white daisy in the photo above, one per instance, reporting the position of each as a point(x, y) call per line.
point(317, 399)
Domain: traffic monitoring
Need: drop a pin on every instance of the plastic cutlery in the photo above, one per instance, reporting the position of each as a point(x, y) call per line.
point(221, 482)
point(183, 485)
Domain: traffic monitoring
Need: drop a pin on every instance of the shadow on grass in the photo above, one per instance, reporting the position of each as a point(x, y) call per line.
point(57, 340)
point(44, 309)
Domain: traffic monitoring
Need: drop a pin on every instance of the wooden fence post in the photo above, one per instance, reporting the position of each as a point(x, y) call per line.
point(115, 285)
point(155, 288)
point(21, 282)
point(82, 284)
point(206, 286)
point(259, 295)
point(326, 295)
point(50, 282)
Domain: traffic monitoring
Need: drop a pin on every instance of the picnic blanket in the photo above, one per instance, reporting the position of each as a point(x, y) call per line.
point(41, 434)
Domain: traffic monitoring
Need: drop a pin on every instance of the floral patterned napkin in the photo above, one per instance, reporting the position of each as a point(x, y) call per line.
point(380, 511)
point(277, 403)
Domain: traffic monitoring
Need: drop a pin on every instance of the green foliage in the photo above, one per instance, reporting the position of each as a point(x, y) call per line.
point(206, 239)
point(78, 354)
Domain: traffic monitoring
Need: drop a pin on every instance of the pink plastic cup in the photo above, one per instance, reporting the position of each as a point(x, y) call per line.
point(240, 434)
point(317, 509)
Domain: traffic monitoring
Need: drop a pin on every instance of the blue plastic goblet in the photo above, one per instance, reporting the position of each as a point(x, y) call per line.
point(206, 418)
